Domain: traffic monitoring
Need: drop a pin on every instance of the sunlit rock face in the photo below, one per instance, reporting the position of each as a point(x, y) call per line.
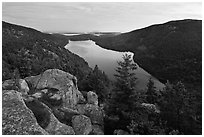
point(64, 83)
point(50, 103)
point(17, 118)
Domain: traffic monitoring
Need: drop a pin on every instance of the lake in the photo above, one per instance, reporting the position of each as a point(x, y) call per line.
point(107, 61)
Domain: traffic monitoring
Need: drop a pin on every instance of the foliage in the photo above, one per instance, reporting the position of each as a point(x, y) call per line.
point(98, 82)
point(123, 94)
point(170, 51)
point(124, 89)
point(176, 110)
point(33, 52)
point(145, 127)
point(151, 94)
point(126, 103)
point(144, 121)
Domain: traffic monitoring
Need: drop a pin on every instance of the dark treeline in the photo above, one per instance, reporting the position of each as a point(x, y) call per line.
point(173, 110)
point(177, 109)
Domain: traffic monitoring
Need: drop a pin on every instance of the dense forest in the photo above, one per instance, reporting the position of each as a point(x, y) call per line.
point(177, 109)
point(31, 52)
point(174, 110)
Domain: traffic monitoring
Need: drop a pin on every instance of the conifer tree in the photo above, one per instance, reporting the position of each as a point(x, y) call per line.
point(174, 106)
point(98, 82)
point(125, 84)
point(151, 95)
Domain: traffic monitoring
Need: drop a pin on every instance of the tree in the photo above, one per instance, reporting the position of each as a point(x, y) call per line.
point(98, 82)
point(176, 109)
point(151, 95)
point(125, 85)
point(122, 99)
point(127, 103)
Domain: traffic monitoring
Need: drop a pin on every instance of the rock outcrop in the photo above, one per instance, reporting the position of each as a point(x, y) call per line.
point(17, 119)
point(65, 83)
point(16, 84)
point(65, 114)
point(81, 124)
point(92, 98)
point(57, 128)
point(94, 112)
point(50, 103)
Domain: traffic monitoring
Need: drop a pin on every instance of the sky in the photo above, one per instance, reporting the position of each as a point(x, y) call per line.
point(100, 16)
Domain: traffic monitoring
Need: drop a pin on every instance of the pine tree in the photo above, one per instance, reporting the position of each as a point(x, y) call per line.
point(97, 82)
point(174, 106)
point(151, 95)
point(125, 84)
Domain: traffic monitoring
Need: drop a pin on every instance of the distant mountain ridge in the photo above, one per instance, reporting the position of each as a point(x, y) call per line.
point(172, 50)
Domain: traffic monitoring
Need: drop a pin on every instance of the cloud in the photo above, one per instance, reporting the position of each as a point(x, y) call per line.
point(98, 16)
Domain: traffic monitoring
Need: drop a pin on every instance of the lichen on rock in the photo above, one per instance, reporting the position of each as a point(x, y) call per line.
point(17, 119)
point(81, 124)
point(63, 81)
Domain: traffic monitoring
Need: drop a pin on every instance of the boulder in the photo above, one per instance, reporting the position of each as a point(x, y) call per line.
point(17, 119)
point(65, 115)
point(92, 98)
point(63, 81)
point(57, 128)
point(9, 85)
point(97, 130)
point(47, 120)
point(94, 112)
point(151, 107)
point(16, 84)
point(81, 108)
point(23, 86)
point(81, 124)
point(120, 132)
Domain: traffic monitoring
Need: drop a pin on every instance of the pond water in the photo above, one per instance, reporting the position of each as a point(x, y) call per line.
point(107, 61)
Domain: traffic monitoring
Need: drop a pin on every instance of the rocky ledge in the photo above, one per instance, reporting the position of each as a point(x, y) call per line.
point(49, 104)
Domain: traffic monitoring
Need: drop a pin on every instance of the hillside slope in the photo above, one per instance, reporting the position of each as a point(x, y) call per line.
point(170, 51)
point(31, 52)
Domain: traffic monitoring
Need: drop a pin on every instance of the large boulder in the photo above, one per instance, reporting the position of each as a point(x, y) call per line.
point(17, 119)
point(82, 125)
point(57, 128)
point(16, 84)
point(94, 112)
point(65, 83)
point(47, 120)
point(92, 98)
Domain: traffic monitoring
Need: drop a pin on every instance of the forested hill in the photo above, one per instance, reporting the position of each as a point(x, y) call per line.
point(31, 52)
point(172, 50)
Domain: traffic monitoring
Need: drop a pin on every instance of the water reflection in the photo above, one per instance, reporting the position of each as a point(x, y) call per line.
point(107, 60)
